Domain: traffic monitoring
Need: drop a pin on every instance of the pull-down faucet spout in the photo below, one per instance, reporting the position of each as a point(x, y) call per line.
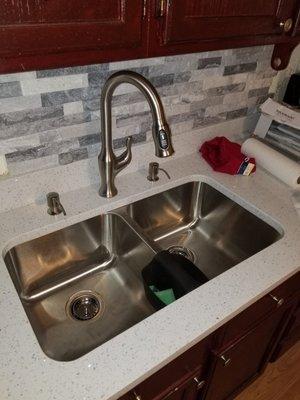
point(109, 163)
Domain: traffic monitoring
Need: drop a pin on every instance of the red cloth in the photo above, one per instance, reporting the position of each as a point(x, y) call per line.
point(224, 156)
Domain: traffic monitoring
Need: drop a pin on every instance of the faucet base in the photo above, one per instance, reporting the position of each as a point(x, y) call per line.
point(104, 191)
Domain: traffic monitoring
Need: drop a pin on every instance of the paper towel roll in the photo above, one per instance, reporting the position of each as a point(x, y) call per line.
point(276, 163)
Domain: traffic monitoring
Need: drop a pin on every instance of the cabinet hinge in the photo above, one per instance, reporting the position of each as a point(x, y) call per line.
point(144, 9)
point(162, 7)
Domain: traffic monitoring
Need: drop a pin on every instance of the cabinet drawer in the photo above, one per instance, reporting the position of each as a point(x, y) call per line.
point(240, 324)
point(177, 373)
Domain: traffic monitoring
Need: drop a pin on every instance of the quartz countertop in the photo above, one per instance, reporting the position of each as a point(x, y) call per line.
point(115, 367)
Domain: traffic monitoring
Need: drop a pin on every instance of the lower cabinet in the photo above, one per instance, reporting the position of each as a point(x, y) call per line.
point(290, 335)
point(239, 363)
point(221, 365)
point(181, 379)
point(187, 388)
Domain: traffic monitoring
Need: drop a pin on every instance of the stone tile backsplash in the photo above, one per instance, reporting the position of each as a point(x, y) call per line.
point(52, 117)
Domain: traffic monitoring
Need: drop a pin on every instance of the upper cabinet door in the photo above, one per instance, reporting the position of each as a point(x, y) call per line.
point(31, 27)
point(297, 21)
point(195, 20)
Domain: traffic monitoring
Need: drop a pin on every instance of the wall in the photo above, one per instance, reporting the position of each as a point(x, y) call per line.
point(280, 82)
point(51, 117)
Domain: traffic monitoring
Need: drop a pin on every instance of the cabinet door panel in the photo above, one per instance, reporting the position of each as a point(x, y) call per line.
point(288, 291)
point(187, 390)
point(297, 22)
point(176, 374)
point(41, 27)
point(181, 379)
point(41, 11)
point(187, 387)
point(247, 358)
point(290, 336)
point(194, 20)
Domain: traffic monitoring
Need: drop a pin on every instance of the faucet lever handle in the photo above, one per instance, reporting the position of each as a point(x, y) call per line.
point(124, 158)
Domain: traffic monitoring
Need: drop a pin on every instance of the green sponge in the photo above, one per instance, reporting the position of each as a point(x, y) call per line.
point(166, 296)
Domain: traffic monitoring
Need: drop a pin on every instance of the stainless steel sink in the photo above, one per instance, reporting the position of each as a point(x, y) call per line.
point(201, 223)
point(82, 285)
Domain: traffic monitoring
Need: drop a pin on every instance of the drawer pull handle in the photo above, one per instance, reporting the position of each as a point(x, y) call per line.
point(226, 361)
point(161, 8)
point(200, 384)
point(278, 301)
point(137, 396)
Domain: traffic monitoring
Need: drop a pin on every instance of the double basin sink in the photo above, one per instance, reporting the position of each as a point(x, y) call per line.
point(82, 285)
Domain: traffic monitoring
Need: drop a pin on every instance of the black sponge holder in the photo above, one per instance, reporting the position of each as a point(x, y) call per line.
point(170, 271)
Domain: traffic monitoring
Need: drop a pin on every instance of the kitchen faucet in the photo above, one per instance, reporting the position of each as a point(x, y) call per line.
point(110, 164)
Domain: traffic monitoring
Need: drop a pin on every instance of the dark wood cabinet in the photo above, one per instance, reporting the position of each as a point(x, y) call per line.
point(58, 32)
point(234, 366)
point(290, 336)
point(297, 23)
point(37, 34)
point(221, 365)
point(187, 389)
point(284, 295)
point(200, 25)
point(182, 379)
point(291, 333)
point(194, 20)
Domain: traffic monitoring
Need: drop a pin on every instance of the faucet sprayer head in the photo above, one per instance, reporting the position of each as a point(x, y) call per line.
point(162, 140)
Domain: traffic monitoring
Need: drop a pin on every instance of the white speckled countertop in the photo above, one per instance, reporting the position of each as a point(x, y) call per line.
point(115, 367)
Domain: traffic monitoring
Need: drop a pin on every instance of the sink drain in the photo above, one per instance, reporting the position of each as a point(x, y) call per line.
point(85, 306)
point(182, 251)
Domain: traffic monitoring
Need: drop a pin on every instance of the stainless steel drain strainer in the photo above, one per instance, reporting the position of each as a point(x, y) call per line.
point(182, 251)
point(85, 306)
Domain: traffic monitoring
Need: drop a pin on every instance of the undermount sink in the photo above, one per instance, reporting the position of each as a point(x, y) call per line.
point(82, 285)
point(203, 224)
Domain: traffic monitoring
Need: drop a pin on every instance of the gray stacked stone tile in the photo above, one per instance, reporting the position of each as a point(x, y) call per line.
point(29, 116)
point(221, 90)
point(10, 89)
point(72, 155)
point(236, 113)
point(238, 68)
point(88, 140)
point(137, 138)
point(211, 62)
point(52, 117)
point(264, 91)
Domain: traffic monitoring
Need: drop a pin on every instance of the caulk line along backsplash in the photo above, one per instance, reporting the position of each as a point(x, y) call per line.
point(52, 117)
